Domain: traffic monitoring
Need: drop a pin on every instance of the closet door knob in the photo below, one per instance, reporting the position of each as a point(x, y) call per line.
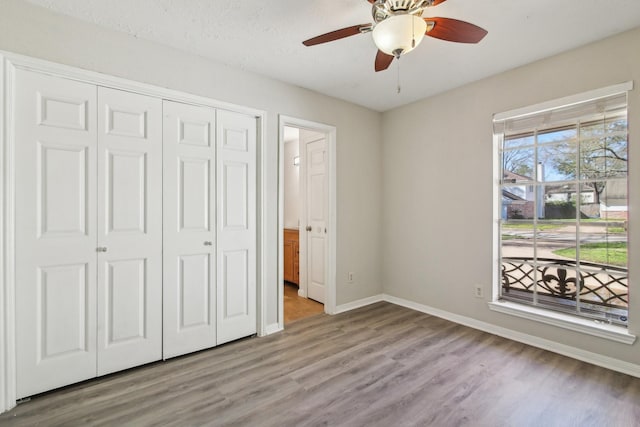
point(309, 228)
point(208, 243)
point(101, 249)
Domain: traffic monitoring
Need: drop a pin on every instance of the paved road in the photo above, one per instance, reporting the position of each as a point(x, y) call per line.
point(549, 241)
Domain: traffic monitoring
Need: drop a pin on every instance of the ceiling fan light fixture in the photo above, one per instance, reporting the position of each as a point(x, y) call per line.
point(399, 34)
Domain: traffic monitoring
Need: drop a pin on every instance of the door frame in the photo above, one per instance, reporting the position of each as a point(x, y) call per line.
point(9, 63)
point(330, 265)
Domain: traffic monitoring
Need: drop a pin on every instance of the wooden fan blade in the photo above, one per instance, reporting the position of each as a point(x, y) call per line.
point(383, 61)
point(335, 35)
point(455, 31)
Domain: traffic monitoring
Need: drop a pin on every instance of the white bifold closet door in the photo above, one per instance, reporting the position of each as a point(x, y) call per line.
point(189, 229)
point(237, 236)
point(209, 227)
point(55, 234)
point(88, 231)
point(129, 230)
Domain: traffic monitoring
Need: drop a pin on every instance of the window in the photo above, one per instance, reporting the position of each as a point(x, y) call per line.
point(563, 206)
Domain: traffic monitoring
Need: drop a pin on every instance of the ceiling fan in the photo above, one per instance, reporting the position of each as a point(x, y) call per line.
point(399, 28)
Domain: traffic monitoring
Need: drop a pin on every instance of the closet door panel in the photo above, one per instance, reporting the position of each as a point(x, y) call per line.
point(126, 198)
point(189, 230)
point(237, 234)
point(129, 230)
point(55, 132)
point(62, 189)
point(126, 289)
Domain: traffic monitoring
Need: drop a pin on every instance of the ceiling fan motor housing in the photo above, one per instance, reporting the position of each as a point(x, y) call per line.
point(383, 9)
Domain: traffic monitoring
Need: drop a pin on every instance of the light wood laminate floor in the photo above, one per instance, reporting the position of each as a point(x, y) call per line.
point(296, 307)
point(381, 365)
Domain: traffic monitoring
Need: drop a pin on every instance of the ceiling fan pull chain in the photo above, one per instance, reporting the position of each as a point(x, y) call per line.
point(399, 89)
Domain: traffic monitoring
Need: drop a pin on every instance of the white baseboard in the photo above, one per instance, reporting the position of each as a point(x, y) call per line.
point(565, 350)
point(358, 303)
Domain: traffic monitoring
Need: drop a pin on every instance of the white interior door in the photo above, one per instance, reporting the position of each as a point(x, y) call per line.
point(189, 317)
point(316, 218)
point(55, 236)
point(236, 219)
point(129, 230)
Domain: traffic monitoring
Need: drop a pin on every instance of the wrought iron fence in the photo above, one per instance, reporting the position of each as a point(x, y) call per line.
point(591, 283)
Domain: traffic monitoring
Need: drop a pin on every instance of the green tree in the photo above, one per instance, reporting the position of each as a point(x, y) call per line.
point(603, 154)
point(519, 161)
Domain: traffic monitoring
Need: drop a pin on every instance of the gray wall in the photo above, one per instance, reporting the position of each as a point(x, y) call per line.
point(37, 32)
point(434, 255)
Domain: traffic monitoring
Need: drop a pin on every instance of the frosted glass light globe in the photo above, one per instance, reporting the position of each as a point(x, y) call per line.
point(395, 35)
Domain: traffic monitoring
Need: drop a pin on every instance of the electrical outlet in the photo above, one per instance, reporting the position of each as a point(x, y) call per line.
point(350, 277)
point(479, 291)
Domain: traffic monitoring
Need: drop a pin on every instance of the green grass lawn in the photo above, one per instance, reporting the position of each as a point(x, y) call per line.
point(616, 230)
point(522, 226)
point(614, 253)
point(546, 226)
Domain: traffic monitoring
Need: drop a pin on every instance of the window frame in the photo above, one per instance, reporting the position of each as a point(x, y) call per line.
point(561, 319)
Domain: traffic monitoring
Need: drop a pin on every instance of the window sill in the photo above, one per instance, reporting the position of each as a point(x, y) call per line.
point(561, 320)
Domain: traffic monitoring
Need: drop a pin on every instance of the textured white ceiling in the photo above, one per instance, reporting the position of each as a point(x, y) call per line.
point(265, 37)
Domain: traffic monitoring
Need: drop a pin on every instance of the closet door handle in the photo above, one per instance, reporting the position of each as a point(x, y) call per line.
point(208, 243)
point(309, 228)
point(101, 249)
